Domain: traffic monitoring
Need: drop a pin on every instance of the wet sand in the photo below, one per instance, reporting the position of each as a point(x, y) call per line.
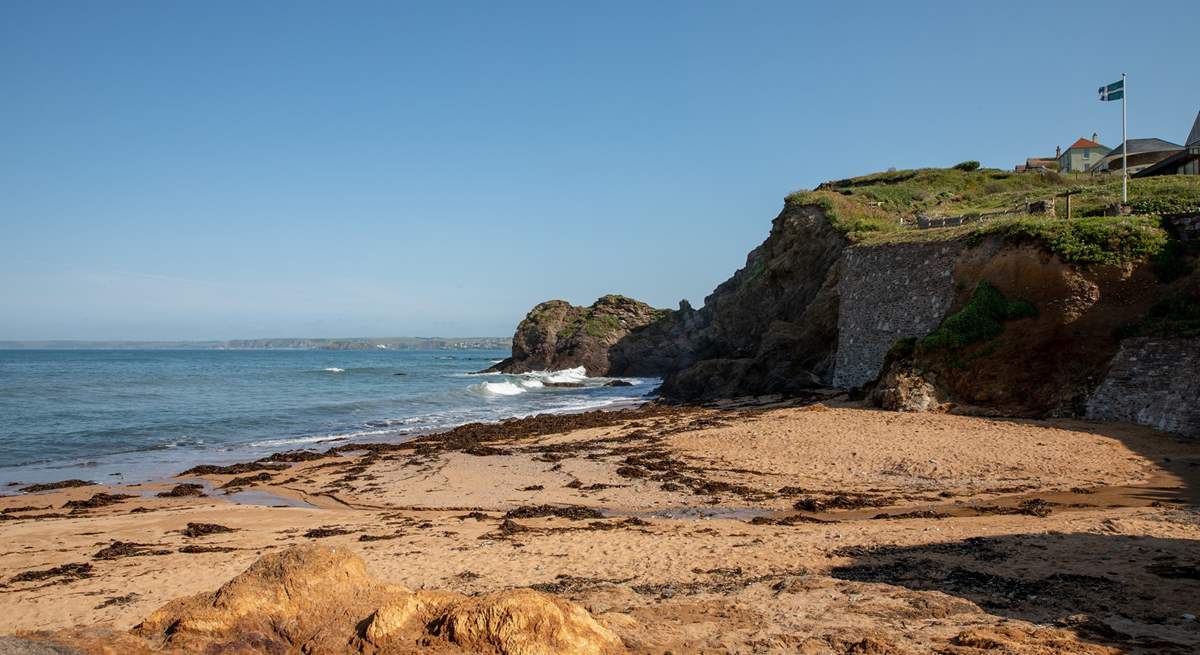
point(822, 528)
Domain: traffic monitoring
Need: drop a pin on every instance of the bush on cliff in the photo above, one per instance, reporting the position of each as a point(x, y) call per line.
point(1098, 240)
point(980, 320)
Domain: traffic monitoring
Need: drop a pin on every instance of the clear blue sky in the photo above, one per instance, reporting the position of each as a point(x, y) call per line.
point(243, 169)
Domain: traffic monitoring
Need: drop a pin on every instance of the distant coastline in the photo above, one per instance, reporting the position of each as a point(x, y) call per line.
point(349, 343)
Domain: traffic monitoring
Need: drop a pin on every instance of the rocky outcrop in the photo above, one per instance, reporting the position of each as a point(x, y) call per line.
point(771, 328)
point(557, 335)
point(311, 599)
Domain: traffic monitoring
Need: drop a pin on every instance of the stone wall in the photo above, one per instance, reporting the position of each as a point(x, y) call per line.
point(1187, 226)
point(887, 293)
point(1153, 382)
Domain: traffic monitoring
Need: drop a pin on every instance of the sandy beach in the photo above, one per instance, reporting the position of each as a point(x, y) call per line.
point(827, 528)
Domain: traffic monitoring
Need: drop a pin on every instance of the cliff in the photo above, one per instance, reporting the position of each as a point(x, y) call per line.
point(849, 290)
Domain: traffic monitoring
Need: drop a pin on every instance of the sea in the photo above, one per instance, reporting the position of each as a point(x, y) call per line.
point(124, 416)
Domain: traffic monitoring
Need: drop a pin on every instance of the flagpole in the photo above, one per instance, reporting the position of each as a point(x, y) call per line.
point(1124, 144)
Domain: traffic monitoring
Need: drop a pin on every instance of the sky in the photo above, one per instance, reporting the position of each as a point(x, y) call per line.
point(218, 170)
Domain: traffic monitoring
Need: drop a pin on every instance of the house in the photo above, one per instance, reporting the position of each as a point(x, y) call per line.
point(1038, 164)
point(1143, 153)
point(1185, 161)
point(1081, 155)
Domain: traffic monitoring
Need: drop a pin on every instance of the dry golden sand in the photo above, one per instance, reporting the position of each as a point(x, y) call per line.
point(1114, 563)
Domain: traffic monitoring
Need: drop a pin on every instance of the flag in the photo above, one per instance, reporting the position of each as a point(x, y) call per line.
point(1114, 91)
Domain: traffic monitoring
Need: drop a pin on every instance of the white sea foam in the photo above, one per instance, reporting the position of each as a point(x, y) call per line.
point(334, 369)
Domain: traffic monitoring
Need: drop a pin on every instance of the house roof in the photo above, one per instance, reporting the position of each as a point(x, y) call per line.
point(1137, 146)
point(1193, 138)
point(1086, 143)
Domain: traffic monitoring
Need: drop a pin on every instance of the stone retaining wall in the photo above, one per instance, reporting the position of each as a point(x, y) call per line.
point(1187, 226)
point(887, 293)
point(1153, 382)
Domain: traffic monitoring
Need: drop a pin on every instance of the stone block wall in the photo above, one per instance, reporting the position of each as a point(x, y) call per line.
point(887, 293)
point(1187, 226)
point(1153, 382)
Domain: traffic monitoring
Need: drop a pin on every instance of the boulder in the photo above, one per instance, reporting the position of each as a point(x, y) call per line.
point(318, 600)
point(557, 335)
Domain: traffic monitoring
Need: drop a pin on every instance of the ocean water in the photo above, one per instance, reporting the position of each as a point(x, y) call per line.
point(134, 415)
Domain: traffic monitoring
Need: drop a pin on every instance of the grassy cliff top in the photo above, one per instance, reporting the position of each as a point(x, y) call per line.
point(883, 207)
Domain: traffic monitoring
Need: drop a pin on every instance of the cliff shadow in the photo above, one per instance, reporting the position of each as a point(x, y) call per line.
point(1128, 592)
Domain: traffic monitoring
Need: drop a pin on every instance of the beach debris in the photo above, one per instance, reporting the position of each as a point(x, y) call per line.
point(194, 549)
point(533, 487)
point(204, 529)
point(842, 501)
point(119, 549)
point(67, 572)
point(322, 532)
point(293, 456)
point(23, 508)
point(246, 480)
point(117, 601)
point(183, 491)
point(572, 512)
point(478, 516)
point(62, 484)
point(915, 514)
point(379, 537)
point(97, 500)
point(791, 519)
point(233, 469)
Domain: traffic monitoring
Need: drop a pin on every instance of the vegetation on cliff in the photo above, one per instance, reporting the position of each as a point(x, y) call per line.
point(883, 207)
point(981, 319)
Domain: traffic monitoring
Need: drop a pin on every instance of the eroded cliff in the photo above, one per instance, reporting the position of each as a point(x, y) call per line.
point(846, 291)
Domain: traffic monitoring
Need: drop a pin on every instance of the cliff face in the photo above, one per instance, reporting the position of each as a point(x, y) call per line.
point(556, 334)
point(810, 309)
point(772, 327)
point(1045, 362)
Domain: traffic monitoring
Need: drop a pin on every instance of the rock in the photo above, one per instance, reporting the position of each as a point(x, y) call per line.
point(618, 383)
point(313, 599)
point(556, 335)
point(902, 389)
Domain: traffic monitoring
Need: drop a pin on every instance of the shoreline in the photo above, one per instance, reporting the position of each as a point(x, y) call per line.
point(149, 470)
point(777, 513)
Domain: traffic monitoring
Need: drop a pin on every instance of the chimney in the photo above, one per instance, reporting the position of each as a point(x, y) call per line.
point(1095, 137)
point(1057, 152)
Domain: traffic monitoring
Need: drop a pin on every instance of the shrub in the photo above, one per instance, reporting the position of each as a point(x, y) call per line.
point(980, 320)
point(1084, 241)
point(969, 165)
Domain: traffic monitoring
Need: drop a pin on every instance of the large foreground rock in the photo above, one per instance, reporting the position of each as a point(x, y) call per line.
point(317, 600)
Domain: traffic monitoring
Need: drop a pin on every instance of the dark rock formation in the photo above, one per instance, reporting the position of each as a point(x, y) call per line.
point(557, 335)
point(771, 328)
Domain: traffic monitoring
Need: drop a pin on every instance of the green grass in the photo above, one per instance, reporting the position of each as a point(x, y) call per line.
point(982, 319)
point(1085, 241)
point(869, 210)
